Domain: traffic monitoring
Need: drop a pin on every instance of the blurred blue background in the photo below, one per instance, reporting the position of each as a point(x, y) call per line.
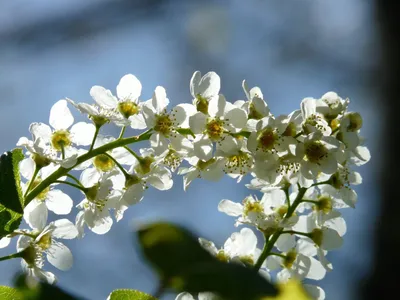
point(291, 49)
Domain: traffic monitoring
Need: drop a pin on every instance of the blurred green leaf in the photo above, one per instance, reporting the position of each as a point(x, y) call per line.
point(184, 265)
point(125, 294)
point(11, 198)
point(9, 293)
point(31, 289)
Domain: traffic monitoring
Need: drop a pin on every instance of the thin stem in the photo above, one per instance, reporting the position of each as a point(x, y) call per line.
point(35, 172)
point(82, 188)
point(286, 190)
point(122, 132)
point(94, 138)
point(277, 254)
point(74, 179)
point(270, 244)
point(62, 152)
point(84, 157)
point(295, 232)
point(267, 249)
point(15, 255)
point(118, 165)
point(133, 153)
point(299, 134)
point(309, 201)
point(322, 182)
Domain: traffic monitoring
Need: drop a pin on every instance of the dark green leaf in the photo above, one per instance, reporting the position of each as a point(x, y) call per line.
point(184, 265)
point(30, 289)
point(125, 294)
point(11, 198)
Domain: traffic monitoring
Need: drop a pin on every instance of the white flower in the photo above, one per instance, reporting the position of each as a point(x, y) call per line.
point(317, 154)
point(127, 110)
point(237, 160)
point(95, 208)
point(313, 121)
point(44, 241)
point(35, 213)
point(166, 125)
point(201, 296)
point(204, 89)
point(298, 262)
point(223, 117)
point(330, 105)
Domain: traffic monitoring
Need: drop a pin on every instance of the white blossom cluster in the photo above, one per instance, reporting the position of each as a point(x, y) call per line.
point(301, 162)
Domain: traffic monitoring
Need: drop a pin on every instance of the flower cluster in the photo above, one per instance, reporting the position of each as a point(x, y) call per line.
point(302, 163)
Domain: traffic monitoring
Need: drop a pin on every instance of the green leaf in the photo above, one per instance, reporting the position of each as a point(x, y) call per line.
point(9, 293)
point(30, 289)
point(11, 198)
point(184, 265)
point(125, 294)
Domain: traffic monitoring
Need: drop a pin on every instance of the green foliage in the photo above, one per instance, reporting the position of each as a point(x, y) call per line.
point(9, 293)
point(30, 289)
point(184, 265)
point(11, 199)
point(125, 294)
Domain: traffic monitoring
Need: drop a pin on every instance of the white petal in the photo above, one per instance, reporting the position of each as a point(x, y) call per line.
point(314, 291)
point(285, 242)
point(237, 118)
point(103, 97)
point(129, 87)
point(27, 167)
point(23, 242)
point(89, 177)
point(182, 114)
point(198, 122)
point(82, 133)
point(35, 214)
point(308, 107)
point(102, 225)
point(216, 106)
point(65, 229)
point(203, 148)
point(60, 256)
point(59, 202)
point(184, 296)
point(210, 85)
point(159, 100)
point(331, 239)
point(159, 143)
point(60, 115)
point(48, 277)
point(4, 242)
point(137, 121)
point(317, 271)
point(230, 208)
point(40, 130)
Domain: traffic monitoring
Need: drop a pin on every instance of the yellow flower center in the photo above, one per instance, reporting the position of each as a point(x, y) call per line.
point(45, 241)
point(60, 139)
point(144, 166)
point(266, 139)
point(289, 259)
point(290, 130)
point(201, 104)
point(315, 151)
point(324, 204)
point(163, 124)
point(128, 108)
point(103, 163)
point(252, 206)
point(222, 256)
point(253, 112)
point(239, 163)
point(215, 129)
point(317, 235)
